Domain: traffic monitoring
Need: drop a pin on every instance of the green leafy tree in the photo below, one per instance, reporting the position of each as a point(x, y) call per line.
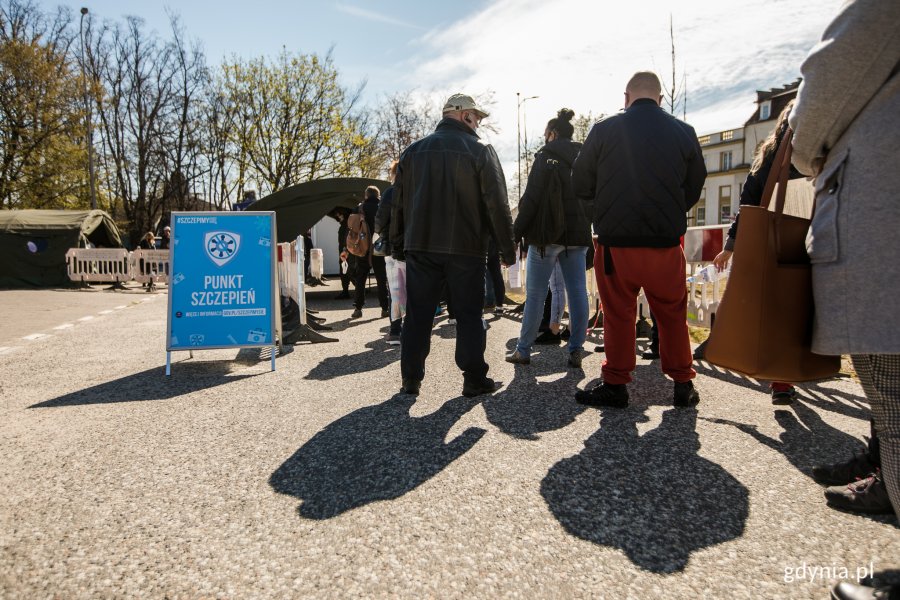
point(292, 121)
point(42, 151)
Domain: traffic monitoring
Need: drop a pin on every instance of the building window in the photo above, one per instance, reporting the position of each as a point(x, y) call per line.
point(699, 211)
point(765, 110)
point(726, 214)
point(724, 201)
point(703, 140)
point(725, 162)
point(727, 135)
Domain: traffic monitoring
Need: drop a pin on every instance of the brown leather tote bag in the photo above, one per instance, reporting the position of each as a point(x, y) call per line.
point(763, 327)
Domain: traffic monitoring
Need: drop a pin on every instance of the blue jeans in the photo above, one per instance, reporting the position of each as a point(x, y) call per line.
point(538, 269)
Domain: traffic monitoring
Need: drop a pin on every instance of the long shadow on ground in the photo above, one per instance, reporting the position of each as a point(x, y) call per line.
point(818, 393)
point(806, 439)
point(378, 356)
point(375, 453)
point(651, 496)
point(152, 384)
point(526, 407)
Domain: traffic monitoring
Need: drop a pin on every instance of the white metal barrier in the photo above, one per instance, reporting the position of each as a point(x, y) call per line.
point(316, 263)
point(291, 270)
point(117, 265)
point(150, 266)
point(98, 264)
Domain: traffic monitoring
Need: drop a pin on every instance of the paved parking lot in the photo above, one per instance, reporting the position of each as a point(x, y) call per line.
point(320, 480)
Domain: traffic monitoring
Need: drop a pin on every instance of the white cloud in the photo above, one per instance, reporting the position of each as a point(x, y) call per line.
point(580, 54)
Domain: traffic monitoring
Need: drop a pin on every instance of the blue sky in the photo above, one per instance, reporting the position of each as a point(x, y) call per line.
point(574, 53)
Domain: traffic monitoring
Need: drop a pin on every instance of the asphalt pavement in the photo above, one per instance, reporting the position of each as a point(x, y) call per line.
point(321, 480)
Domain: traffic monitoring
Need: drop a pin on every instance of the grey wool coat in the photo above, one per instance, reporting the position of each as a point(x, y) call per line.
point(847, 133)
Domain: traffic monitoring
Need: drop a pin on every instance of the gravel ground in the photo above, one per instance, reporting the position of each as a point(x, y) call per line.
point(320, 480)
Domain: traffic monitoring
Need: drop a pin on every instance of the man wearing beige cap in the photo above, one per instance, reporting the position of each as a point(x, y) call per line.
point(449, 200)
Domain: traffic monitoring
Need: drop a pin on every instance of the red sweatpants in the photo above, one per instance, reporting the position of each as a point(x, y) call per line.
point(660, 271)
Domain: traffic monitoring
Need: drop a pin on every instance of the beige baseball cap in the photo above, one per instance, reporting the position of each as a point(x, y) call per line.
point(464, 102)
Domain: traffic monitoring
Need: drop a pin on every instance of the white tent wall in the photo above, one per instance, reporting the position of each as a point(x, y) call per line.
point(325, 236)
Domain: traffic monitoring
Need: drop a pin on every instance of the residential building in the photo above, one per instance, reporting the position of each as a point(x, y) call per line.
point(728, 155)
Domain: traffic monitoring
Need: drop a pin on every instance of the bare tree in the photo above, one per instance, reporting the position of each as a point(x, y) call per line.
point(137, 73)
point(182, 124)
point(675, 96)
point(401, 120)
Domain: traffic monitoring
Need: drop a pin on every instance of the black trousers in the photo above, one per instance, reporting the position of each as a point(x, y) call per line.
point(426, 272)
point(496, 277)
point(362, 273)
point(347, 277)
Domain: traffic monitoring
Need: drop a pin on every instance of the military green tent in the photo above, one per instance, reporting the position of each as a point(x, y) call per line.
point(33, 243)
point(299, 207)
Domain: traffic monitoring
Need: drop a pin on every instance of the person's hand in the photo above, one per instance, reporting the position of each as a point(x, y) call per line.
point(344, 255)
point(721, 259)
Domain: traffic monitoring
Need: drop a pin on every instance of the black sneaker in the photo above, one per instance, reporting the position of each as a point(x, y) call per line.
point(485, 386)
point(548, 338)
point(575, 358)
point(385, 312)
point(605, 395)
point(867, 495)
point(651, 353)
point(843, 473)
point(357, 313)
point(410, 386)
point(782, 397)
point(345, 295)
point(685, 394)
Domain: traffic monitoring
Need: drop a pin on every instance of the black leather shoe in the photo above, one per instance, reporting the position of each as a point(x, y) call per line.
point(356, 314)
point(410, 386)
point(685, 395)
point(485, 386)
point(846, 590)
point(843, 473)
point(605, 395)
point(651, 353)
point(343, 296)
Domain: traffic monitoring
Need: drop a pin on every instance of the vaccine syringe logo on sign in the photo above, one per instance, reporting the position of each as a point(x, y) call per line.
point(221, 246)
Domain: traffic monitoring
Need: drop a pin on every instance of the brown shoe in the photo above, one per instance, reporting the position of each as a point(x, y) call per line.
point(517, 358)
point(867, 495)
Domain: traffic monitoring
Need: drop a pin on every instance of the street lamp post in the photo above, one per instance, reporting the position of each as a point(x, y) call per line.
point(87, 117)
point(519, 103)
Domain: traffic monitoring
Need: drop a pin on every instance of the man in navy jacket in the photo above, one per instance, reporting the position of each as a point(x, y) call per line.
point(640, 171)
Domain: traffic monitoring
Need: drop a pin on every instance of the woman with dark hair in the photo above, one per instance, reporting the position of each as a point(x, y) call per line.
point(395, 269)
point(751, 195)
point(554, 160)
